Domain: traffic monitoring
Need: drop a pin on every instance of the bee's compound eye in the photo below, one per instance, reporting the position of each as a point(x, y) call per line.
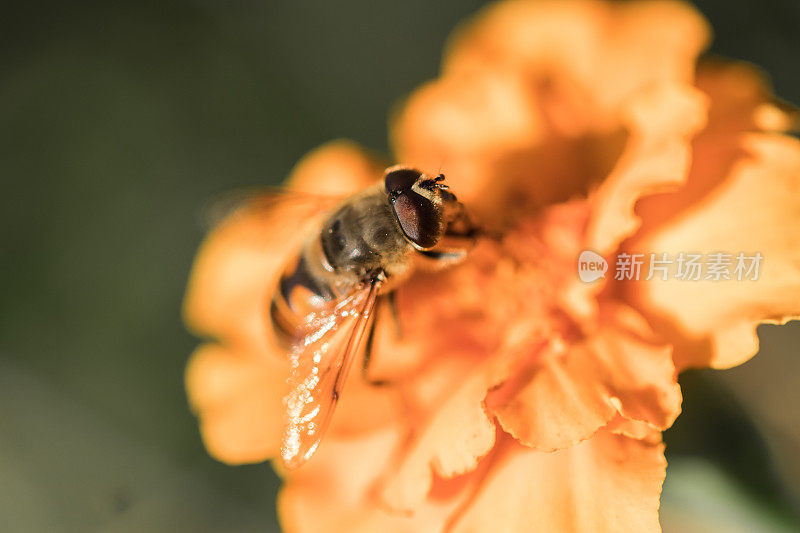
point(401, 179)
point(419, 218)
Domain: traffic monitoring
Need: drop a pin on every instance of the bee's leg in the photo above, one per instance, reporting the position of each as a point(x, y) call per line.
point(453, 255)
point(392, 299)
point(369, 345)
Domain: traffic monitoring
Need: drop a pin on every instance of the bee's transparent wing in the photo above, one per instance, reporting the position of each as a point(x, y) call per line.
point(320, 361)
point(258, 200)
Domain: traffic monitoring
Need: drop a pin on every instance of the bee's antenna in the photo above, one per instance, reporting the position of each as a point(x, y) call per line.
point(441, 165)
point(434, 183)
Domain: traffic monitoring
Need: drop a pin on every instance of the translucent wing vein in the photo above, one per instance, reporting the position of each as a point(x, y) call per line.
point(320, 360)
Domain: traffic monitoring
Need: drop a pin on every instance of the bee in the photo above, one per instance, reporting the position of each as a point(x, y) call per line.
point(360, 251)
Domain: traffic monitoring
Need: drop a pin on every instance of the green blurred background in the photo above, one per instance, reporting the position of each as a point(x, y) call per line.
point(118, 120)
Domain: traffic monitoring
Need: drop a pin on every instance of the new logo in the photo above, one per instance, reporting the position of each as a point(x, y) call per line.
point(591, 266)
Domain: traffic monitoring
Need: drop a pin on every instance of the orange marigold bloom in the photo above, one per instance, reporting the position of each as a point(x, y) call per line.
point(520, 398)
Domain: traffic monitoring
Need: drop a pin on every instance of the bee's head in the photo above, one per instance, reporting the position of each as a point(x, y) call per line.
point(418, 204)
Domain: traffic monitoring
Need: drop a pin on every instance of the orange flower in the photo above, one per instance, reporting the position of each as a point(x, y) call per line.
point(520, 398)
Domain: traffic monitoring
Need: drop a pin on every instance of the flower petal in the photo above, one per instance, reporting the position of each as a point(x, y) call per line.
point(336, 491)
point(488, 132)
point(469, 325)
point(468, 126)
point(609, 483)
point(607, 51)
point(235, 271)
point(239, 400)
point(574, 392)
point(451, 442)
point(337, 168)
point(662, 121)
point(528, 110)
point(635, 429)
point(742, 99)
point(743, 196)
